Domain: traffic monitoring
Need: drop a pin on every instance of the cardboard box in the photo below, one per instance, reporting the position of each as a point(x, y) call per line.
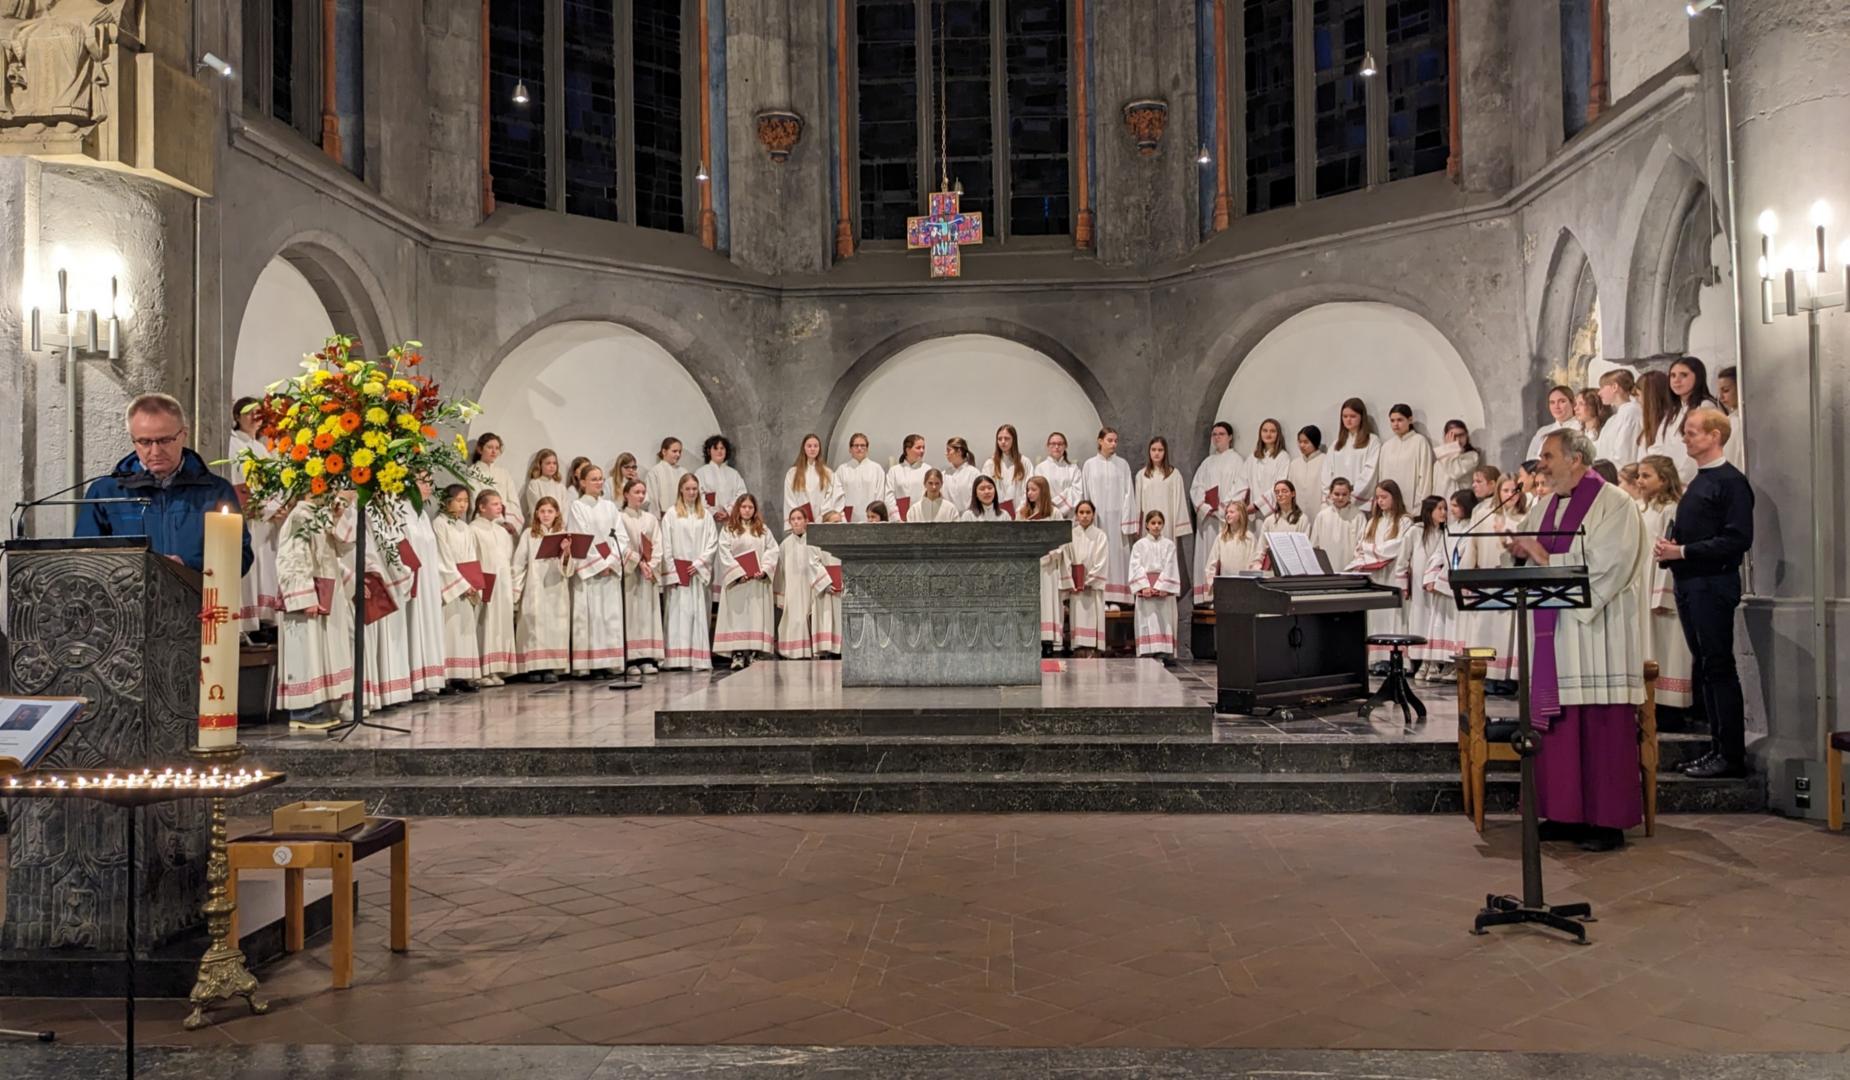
point(326, 818)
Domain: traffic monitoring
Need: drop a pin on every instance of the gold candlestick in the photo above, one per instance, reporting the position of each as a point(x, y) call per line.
point(222, 974)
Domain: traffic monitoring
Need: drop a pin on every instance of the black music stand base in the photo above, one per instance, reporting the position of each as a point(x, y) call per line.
point(1509, 911)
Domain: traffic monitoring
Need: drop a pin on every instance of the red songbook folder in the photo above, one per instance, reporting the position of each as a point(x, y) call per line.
point(552, 545)
point(379, 602)
point(684, 570)
point(748, 562)
point(904, 504)
point(809, 514)
point(581, 545)
point(847, 513)
point(409, 556)
point(712, 498)
point(1079, 577)
point(603, 550)
point(834, 578)
point(647, 549)
point(1008, 507)
point(488, 587)
point(324, 593)
point(1213, 498)
point(472, 573)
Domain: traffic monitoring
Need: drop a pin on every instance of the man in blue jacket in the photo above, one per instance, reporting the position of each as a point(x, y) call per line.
point(179, 488)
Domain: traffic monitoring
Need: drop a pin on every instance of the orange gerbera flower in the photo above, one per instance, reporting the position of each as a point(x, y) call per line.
point(318, 486)
point(429, 432)
point(336, 463)
point(324, 441)
point(361, 475)
point(350, 421)
point(398, 396)
point(298, 452)
point(330, 406)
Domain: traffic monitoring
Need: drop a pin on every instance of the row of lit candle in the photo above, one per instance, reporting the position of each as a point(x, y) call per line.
point(1796, 260)
point(187, 779)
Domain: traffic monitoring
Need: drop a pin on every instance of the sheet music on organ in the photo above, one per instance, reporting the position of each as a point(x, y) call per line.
point(1292, 554)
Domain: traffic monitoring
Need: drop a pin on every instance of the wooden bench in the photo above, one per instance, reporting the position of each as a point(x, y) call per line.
point(297, 853)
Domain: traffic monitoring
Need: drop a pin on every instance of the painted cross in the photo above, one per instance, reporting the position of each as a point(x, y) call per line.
point(212, 615)
point(944, 230)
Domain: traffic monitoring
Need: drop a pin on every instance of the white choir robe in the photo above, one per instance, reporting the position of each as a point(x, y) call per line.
point(1167, 494)
point(1598, 651)
point(722, 482)
point(1445, 628)
point(1483, 550)
point(259, 598)
point(1334, 532)
point(424, 609)
point(991, 514)
point(692, 539)
point(1106, 481)
point(1306, 475)
point(1361, 467)
point(1452, 469)
point(541, 488)
point(821, 496)
point(388, 657)
point(747, 614)
point(1229, 476)
point(664, 483)
point(1669, 443)
point(1010, 489)
point(1263, 475)
point(793, 589)
point(643, 638)
point(1228, 555)
point(316, 651)
point(1535, 444)
point(1085, 608)
point(1618, 439)
point(542, 593)
point(1276, 522)
point(907, 482)
point(501, 482)
point(1391, 553)
point(462, 646)
point(1156, 615)
point(959, 483)
point(926, 510)
point(862, 483)
point(1406, 460)
point(495, 629)
point(1663, 639)
point(1428, 561)
point(1732, 450)
point(825, 620)
point(1063, 480)
point(597, 588)
point(1054, 573)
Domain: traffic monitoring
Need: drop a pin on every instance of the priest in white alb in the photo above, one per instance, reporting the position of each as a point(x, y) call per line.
point(1219, 480)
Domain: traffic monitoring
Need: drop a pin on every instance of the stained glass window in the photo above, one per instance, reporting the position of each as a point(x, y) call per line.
point(517, 133)
point(282, 60)
point(660, 161)
point(962, 47)
point(1419, 126)
point(887, 60)
point(1338, 45)
point(1271, 105)
point(1039, 158)
point(590, 39)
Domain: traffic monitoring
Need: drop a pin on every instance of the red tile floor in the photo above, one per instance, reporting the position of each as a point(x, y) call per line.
point(1722, 934)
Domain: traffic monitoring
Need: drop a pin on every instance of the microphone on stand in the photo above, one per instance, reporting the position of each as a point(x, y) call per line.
point(20, 508)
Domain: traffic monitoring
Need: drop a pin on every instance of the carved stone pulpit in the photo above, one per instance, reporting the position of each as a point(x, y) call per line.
point(951, 604)
point(104, 619)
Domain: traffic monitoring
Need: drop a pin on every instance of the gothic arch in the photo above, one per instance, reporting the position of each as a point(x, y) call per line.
point(343, 282)
point(1672, 221)
point(1567, 332)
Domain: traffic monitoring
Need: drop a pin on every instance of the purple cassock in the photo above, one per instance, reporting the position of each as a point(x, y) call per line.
point(1587, 767)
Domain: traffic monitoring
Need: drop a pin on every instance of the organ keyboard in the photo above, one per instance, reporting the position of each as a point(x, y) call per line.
point(1284, 640)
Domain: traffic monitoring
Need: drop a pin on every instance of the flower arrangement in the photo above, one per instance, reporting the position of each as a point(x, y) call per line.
point(353, 424)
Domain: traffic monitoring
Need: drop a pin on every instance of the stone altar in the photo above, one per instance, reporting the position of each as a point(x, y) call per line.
point(948, 604)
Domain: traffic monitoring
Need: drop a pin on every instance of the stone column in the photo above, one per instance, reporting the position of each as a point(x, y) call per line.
point(1791, 104)
point(777, 61)
point(1482, 125)
point(1147, 207)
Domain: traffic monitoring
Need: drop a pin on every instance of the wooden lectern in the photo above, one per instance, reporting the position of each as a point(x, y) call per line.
point(105, 619)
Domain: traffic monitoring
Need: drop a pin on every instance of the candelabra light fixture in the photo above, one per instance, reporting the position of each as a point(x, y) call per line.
point(76, 330)
point(1800, 280)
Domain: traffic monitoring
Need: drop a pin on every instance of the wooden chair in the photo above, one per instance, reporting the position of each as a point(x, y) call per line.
point(1834, 777)
point(1481, 741)
point(296, 853)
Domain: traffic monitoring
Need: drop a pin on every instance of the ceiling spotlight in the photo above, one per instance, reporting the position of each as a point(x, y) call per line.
point(700, 176)
point(520, 92)
point(212, 61)
point(1697, 7)
point(1368, 65)
point(1202, 157)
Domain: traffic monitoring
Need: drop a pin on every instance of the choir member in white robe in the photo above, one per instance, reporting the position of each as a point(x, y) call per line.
point(1482, 549)
point(1728, 392)
point(863, 482)
point(644, 642)
point(1590, 416)
point(1427, 561)
point(663, 479)
point(1085, 606)
point(1454, 461)
point(1337, 526)
point(1306, 469)
point(810, 485)
point(315, 641)
point(388, 657)
point(1160, 486)
point(543, 482)
point(424, 608)
point(689, 537)
point(495, 477)
point(905, 481)
point(1618, 436)
point(1662, 424)
point(793, 590)
point(1662, 627)
point(1225, 477)
point(1448, 624)
point(825, 619)
point(720, 483)
point(1561, 411)
point(1061, 475)
point(984, 502)
point(960, 472)
point(495, 548)
point(747, 615)
point(1037, 505)
point(542, 591)
point(1270, 463)
point(1406, 457)
point(1509, 507)
point(1237, 548)
point(1009, 470)
point(1105, 482)
point(1357, 453)
point(1289, 517)
point(462, 603)
point(1380, 552)
point(597, 580)
point(1156, 578)
point(259, 598)
point(932, 505)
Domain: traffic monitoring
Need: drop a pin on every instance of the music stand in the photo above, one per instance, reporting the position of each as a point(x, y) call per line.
point(1522, 589)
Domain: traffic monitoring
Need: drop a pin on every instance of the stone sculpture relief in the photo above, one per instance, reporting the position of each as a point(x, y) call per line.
point(59, 58)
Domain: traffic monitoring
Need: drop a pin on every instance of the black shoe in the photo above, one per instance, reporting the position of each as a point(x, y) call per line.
point(1698, 762)
point(1566, 832)
point(466, 687)
point(1602, 839)
point(1717, 768)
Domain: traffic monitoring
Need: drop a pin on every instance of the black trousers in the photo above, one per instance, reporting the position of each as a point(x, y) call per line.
point(1705, 607)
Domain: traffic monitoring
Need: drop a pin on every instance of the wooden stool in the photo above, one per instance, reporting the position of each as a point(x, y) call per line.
point(1834, 777)
point(295, 853)
point(1396, 689)
point(1120, 632)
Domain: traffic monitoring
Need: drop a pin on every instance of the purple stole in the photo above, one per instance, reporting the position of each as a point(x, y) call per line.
point(1544, 681)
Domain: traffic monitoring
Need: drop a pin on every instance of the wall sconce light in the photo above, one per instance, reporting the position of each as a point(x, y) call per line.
point(1368, 65)
point(1697, 7)
point(73, 331)
point(1202, 157)
point(218, 65)
point(700, 174)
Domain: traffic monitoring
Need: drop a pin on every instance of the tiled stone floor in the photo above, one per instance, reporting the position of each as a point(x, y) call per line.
point(1722, 934)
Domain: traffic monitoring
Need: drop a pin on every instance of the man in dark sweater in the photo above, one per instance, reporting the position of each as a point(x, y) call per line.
point(1714, 527)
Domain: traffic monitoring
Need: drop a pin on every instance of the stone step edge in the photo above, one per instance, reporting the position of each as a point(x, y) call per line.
point(881, 779)
point(763, 742)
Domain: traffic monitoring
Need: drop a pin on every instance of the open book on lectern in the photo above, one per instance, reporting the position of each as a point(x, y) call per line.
point(31, 726)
